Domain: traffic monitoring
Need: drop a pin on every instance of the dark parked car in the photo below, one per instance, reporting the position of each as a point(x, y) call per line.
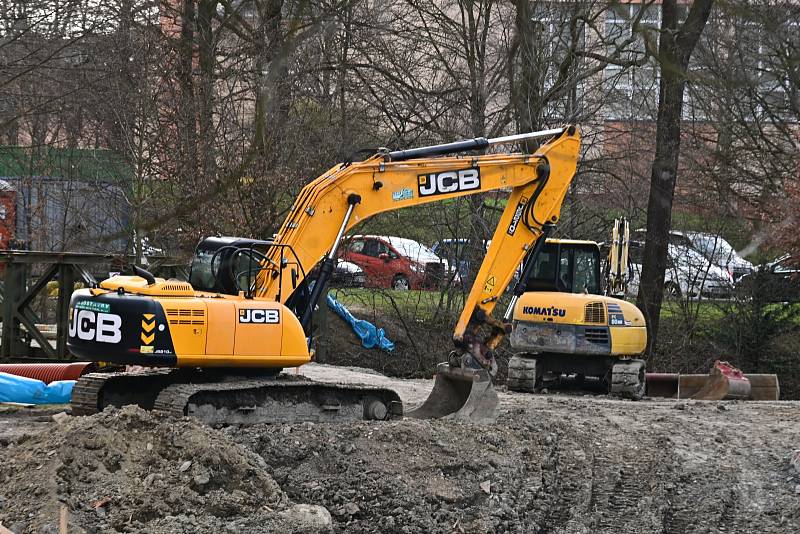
point(456, 252)
point(348, 274)
point(778, 281)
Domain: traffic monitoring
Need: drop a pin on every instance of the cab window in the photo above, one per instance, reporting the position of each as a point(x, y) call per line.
point(200, 276)
point(247, 264)
point(564, 271)
point(543, 274)
point(586, 271)
point(357, 246)
point(567, 269)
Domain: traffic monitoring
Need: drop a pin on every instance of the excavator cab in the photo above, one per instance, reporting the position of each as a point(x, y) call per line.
point(229, 265)
point(566, 266)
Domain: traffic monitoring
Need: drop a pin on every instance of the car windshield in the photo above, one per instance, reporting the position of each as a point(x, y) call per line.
point(413, 250)
point(713, 246)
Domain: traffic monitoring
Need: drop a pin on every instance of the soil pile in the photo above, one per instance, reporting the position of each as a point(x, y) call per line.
point(550, 464)
point(131, 471)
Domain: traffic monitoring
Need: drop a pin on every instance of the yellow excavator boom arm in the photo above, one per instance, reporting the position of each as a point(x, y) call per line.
point(348, 194)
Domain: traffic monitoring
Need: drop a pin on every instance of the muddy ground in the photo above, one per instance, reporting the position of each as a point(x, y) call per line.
point(552, 463)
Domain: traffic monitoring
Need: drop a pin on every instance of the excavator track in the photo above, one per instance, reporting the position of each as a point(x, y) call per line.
point(628, 379)
point(278, 401)
point(216, 398)
point(522, 374)
point(94, 391)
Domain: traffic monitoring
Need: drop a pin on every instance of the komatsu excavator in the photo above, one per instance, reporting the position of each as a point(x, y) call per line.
point(564, 325)
point(215, 351)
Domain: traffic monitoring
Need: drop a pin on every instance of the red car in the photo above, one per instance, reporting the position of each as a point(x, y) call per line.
point(394, 262)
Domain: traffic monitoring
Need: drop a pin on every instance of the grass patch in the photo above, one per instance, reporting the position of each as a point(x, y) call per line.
point(418, 305)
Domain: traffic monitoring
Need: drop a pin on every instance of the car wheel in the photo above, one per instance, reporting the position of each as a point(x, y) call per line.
point(401, 283)
point(672, 290)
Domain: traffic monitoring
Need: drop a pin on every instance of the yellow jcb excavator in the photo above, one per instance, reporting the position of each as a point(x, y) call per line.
point(216, 347)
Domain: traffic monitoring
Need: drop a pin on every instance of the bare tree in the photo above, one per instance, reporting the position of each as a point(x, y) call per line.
point(676, 44)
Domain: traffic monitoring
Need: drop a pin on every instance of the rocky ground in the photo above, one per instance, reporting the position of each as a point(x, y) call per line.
point(551, 463)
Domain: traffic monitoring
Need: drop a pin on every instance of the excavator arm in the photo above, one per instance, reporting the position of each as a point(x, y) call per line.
point(350, 193)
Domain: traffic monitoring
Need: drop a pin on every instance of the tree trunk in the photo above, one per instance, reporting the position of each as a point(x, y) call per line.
point(525, 75)
point(674, 50)
point(188, 115)
point(206, 59)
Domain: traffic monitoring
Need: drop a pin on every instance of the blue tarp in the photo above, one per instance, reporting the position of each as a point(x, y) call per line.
point(370, 336)
point(24, 390)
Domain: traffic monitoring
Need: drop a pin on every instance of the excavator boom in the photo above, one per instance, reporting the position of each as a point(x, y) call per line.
point(349, 194)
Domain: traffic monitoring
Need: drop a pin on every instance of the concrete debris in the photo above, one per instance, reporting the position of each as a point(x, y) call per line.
point(61, 417)
point(486, 487)
point(308, 518)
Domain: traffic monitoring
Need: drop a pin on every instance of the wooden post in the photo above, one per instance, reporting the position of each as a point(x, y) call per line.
point(62, 520)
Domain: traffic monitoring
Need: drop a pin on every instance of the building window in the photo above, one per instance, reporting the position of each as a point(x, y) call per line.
point(552, 23)
point(630, 92)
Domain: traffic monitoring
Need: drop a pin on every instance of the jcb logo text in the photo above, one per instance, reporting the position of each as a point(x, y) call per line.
point(517, 216)
point(97, 326)
point(448, 182)
point(259, 316)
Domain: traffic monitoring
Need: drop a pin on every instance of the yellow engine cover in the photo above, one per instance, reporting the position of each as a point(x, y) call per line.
point(167, 324)
point(577, 323)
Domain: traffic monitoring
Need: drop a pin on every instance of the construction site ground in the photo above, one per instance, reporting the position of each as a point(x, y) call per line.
point(552, 463)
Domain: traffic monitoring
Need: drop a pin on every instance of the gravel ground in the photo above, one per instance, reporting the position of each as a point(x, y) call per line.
point(551, 463)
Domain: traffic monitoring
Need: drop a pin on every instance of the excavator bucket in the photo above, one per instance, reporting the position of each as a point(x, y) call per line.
point(723, 382)
point(461, 394)
point(764, 387)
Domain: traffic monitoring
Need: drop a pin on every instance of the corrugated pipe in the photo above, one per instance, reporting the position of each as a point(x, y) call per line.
point(48, 372)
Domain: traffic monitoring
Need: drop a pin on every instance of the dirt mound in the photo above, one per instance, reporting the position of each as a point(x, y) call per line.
point(551, 463)
point(129, 470)
point(569, 465)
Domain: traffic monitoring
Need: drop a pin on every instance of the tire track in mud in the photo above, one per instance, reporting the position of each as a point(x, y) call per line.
point(623, 488)
point(587, 483)
point(564, 484)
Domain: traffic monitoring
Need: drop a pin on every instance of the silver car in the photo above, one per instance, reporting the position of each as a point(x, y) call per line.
point(719, 252)
point(689, 274)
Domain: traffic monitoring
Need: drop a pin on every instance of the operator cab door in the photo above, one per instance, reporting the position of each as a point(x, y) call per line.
point(566, 268)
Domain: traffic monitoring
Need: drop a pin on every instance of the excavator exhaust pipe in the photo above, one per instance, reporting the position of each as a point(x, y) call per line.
point(459, 394)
